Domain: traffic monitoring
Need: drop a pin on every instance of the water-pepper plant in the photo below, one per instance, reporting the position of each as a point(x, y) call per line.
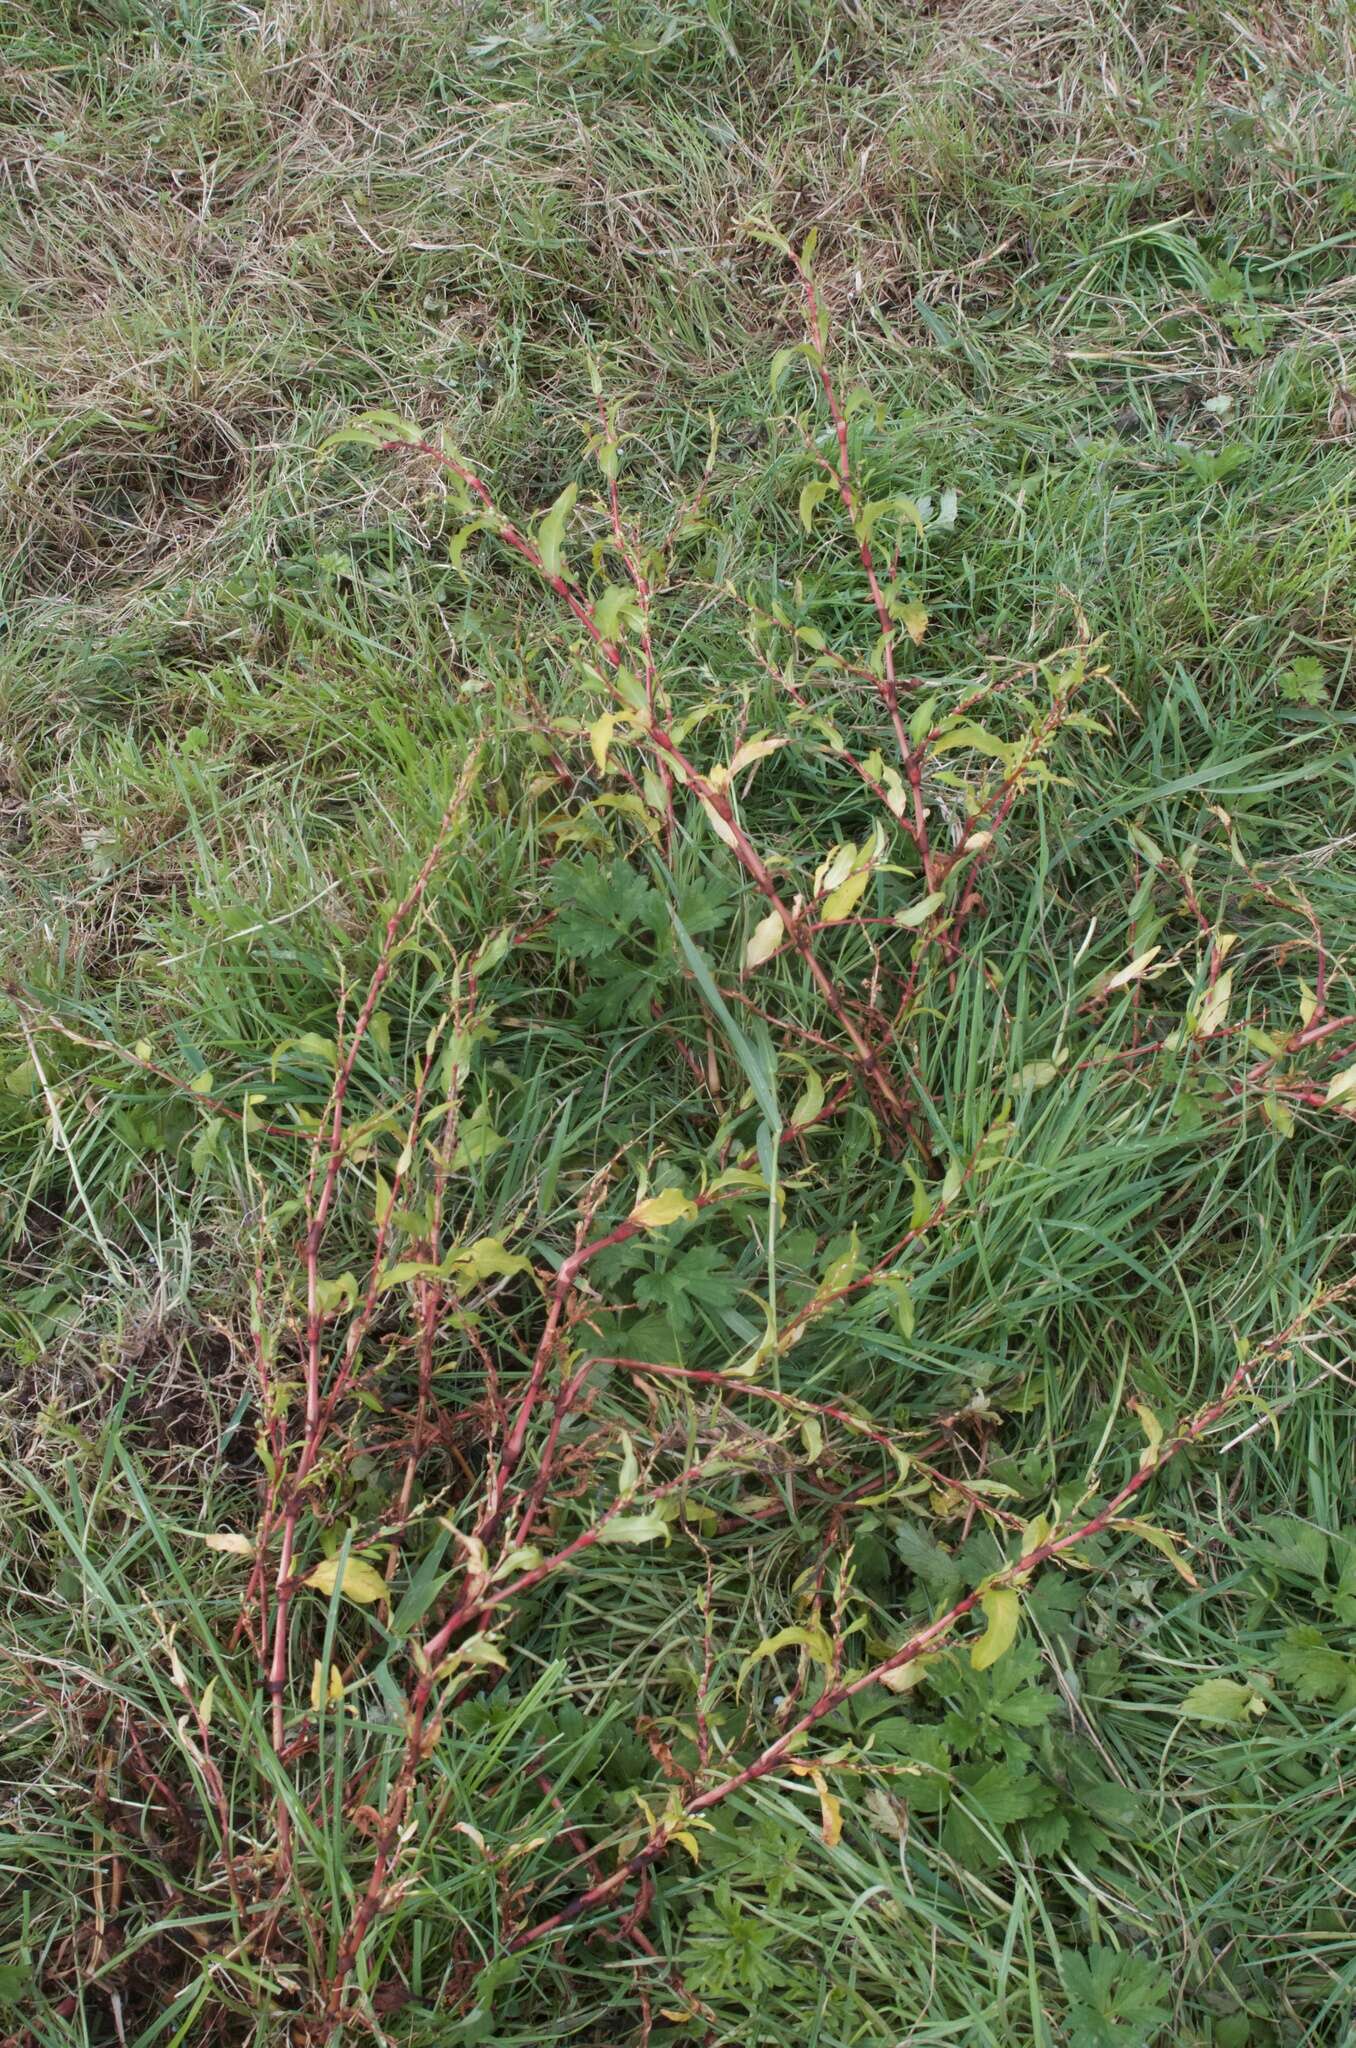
point(654, 1225)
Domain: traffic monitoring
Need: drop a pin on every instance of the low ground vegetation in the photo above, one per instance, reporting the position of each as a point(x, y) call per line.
point(679, 1045)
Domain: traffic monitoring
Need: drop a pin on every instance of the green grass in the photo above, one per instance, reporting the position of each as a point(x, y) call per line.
point(1094, 267)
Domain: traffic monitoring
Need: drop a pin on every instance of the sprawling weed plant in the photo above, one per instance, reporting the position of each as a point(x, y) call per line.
point(678, 1028)
point(501, 1357)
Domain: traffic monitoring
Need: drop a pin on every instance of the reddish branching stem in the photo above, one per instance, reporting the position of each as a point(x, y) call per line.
point(674, 764)
point(922, 1643)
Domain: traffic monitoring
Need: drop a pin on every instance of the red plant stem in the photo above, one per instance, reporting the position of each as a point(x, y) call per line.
point(479, 1600)
point(471, 1608)
point(630, 1930)
point(671, 757)
point(319, 1210)
point(754, 866)
point(919, 1644)
point(431, 1295)
point(570, 1391)
point(887, 683)
point(797, 1405)
point(620, 1235)
point(480, 1596)
point(512, 538)
point(476, 1602)
point(861, 1489)
point(916, 827)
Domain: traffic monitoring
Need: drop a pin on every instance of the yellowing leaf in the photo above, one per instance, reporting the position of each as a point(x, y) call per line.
point(312, 1044)
point(1308, 1005)
point(1036, 1074)
point(524, 1557)
point(1150, 848)
point(228, 1544)
point(895, 793)
point(409, 1269)
point(1136, 970)
point(766, 937)
point(812, 496)
point(810, 1638)
point(808, 1103)
point(723, 831)
point(897, 1287)
point(919, 913)
point(331, 1295)
point(843, 1269)
point(1342, 1087)
point(1002, 1613)
point(1152, 1428)
point(1214, 1008)
point(489, 955)
point(1163, 1541)
point(486, 1259)
point(840, 902)
point(830, 1812)
point(360, 1581)
point(906, 1676)
point(648, 1528)
point(1279, 1115)
point(835, 868)
point(886, 1815)
point(326, 1689)
point(739, 1177)
point(551, 531)
point(481, 1651)
point(616, 610)
point(965, 733)
point(657, 1212)
point(915, 622)
point(753, 750)
point(201, 1084)
point(864, 526)
point(177, 1671)
point(600, 739)
point(207, 1702)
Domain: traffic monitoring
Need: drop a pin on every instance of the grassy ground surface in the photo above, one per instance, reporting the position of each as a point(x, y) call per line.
point(1056, 1163)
